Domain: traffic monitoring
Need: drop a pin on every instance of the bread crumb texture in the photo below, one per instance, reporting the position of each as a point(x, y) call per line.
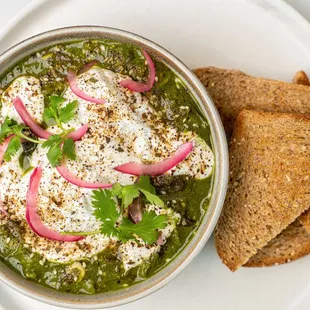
point(269, 183)
point(233, 91)
point(291, 244)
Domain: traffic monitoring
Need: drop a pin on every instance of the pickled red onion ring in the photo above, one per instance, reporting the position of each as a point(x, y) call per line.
point(159, 168)
point(142, 87)
point(32, 216)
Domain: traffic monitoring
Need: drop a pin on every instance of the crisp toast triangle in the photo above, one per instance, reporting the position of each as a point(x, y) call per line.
point(294, 241)
point(234, 91)
point(291, 244)
point(269, 182)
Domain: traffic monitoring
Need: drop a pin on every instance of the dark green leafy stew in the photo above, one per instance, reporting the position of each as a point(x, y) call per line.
point(184, 193)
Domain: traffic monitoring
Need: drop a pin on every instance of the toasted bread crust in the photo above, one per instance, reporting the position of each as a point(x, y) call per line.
point(301, 78)
point(234, 91)
point(291, 244)
point(269, 182)
point(305, 221)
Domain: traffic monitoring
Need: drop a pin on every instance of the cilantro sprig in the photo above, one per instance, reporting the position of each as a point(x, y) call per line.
point(55, 113)
point(129, 192)
point(11, 127)
point(147, 229)
point(59, 146)
point(107, 211)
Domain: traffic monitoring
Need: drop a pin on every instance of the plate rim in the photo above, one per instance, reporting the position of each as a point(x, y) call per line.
point(280, 10)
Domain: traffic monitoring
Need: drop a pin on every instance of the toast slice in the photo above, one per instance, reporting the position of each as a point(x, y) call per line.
point(291, 244)
point(305, 221)
point(301, 78)
point(269, 182)
point(234, 91)
point(294, 241)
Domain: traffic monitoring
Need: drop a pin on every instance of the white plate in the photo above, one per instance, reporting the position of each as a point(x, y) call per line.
point(262, 37)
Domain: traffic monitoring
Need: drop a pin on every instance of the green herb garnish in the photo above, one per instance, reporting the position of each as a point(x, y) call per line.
point(56, 114)
point(107, 211)
point(147, 229)
point(59, 145)
point(10, 127)
point(129, 192)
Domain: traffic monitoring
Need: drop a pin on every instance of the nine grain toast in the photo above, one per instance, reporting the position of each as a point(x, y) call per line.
point(233, 91)
point(291, 244)
point(244, 91)
point(299, 78)
point(294, 241)
point(269, 186)
point(302, 79)
point(305, 220)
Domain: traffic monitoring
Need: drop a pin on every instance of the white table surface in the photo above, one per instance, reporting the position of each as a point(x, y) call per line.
point(14, 6)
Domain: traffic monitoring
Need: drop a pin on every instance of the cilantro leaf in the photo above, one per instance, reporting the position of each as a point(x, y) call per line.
point(147, 229)
point(18, 130)
point(6, 128)
point(56, 101)
point(66, 114)
point(129, 192)
point(12, 149)
point(50, 114)
point(55, 113)
point(52, 140)
point(153, 199)
point(149, 191)
point(9, 127)
point(145, 183)
point(69, 149)
point(54, 155)
point(57, 150)
point(116, 189)
point(59, 145)
point(106, 211)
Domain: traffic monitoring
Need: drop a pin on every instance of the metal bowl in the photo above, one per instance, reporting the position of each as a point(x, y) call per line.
point(160, 279)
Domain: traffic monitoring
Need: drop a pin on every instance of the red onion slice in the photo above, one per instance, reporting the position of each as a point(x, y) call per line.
point(36, 129)
point(29, 121)
point(72, 80)
point(159, 168)
point(79, 133)
point(73, 179)
point(32, 217)
point(142, 87)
